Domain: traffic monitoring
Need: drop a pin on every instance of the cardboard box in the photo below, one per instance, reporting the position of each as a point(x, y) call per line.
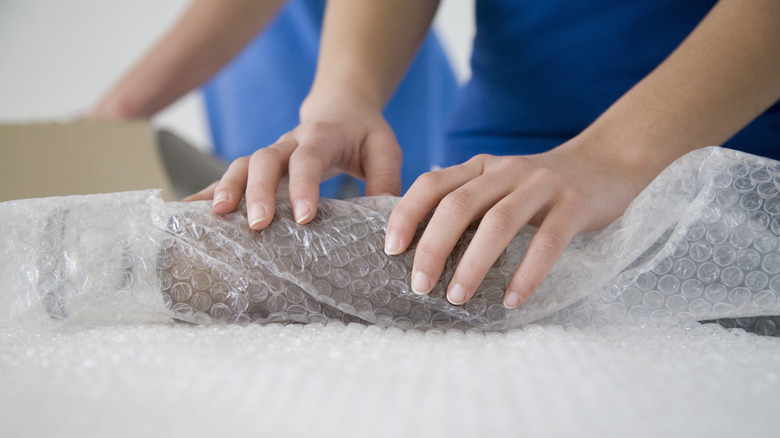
point(38, 160)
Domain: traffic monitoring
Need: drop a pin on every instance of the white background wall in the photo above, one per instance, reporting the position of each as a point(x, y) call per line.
point(58, 57)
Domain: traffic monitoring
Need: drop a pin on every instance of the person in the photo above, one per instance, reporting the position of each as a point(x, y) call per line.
point(256, 61)
point(602, 95)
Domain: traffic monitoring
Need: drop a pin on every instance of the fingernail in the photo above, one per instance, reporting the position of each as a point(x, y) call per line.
point(512, 300)
point(219, 198)
point(257, 214)
point(301, 211)
point(392, 245)
point(456, 294)
point(421, 283)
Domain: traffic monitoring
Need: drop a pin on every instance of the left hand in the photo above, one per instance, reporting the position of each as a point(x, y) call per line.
point(575, 187)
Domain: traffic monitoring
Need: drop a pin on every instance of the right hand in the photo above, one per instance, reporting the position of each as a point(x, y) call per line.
point(582, 185)
point(345, 134)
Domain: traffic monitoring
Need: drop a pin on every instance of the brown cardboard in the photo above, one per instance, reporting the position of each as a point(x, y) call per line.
point(38, 160)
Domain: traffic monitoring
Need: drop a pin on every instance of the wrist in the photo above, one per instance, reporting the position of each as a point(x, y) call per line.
point(610, 148)
point(324, 101)
point(639, 137)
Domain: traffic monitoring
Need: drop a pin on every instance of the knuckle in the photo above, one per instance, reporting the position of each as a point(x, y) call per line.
point(429, 252)
point(230, 181)
point(573, 203)
point(266, 154)
point(550, 241)
point(316, 126)
point(256, 192)
point(480, 158)
point(318, 131)
point(479, 161)
point(457, 203)
point(501, 219)
point(238, 163)
point(428, 180)
point(229, 185)
point(287, 137)
point(306, 157)
point(544, 176)
point(510, 163)
point(405, 219)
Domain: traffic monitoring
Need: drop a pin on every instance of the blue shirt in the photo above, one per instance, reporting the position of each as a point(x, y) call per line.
point(544, 70)
point(255, 98)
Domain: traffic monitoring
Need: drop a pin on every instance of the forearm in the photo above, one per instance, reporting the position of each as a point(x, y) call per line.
point(367, 46)
point(207, 36)
point(725, 74)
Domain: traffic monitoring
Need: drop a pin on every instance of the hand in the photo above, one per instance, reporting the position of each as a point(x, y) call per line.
point(570, 189)
point(342, 135)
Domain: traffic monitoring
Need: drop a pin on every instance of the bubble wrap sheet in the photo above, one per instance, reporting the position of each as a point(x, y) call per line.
point(700, 243)
point(93, 287)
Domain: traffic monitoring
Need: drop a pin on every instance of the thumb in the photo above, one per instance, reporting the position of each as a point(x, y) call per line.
point(381, 160)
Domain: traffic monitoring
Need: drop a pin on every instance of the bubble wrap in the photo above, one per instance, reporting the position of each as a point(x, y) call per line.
point(336, 380)
point(700, 243)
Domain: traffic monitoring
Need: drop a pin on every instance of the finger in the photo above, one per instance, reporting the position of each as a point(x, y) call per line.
point(452, 216)
point(316, 152)
point(554, 234)
point(203, 195)
point(266, 168)
point(422, 197)
point(496, 229)
point(382, 164)
point(230, 189)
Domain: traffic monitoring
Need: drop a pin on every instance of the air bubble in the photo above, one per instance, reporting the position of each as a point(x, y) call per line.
point(757, 221)
point(771, 263)
point(631, 296)
point(700, 251)
point(695, 232)
point(220, 312)
point(653, 300)
point(750, 201)
point(765, 242)
point(772, 205)
point(668, 284)
point(744, 184)
point(727, 197)
point(201, 302)
point(684, 268)
point(663, 266)
point(739, 296)
point(717, 233)
point(741, 238)
point(724, 255)
point(756, 281)
point(181, 291)
point(700, 307)
point(766, 327)
point(715, 292)
point(692, 288)
point(731, 276)
point(676, 303)
point(645, 281)
point(748, 259)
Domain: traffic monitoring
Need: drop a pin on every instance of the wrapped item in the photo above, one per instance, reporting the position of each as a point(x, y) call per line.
point(701, 242)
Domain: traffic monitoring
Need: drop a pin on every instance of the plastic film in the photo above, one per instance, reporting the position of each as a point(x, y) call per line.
point(700, 243)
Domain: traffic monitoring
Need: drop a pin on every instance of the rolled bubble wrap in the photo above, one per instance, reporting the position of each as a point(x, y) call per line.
point(700, 243)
